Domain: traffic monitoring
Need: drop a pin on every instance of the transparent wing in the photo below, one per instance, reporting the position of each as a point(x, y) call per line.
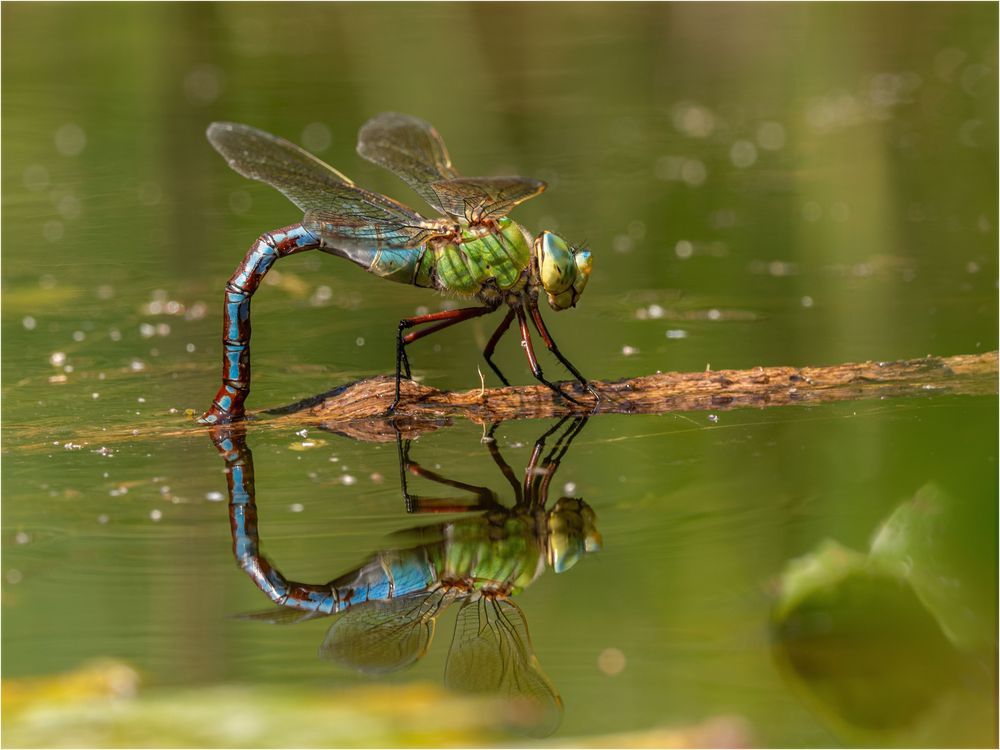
point(413, 150)
point(481, 198)
point(304, 179)
point(335, 208)
point(409, 148)
point(491, 653)
point(379, 637)
point(280, 615)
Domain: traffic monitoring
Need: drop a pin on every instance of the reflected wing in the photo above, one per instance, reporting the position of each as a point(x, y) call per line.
point(491, 653)
point(281, 615)
point(379, 637)
point(480, 198)
point(412, 149)
point(335, 208)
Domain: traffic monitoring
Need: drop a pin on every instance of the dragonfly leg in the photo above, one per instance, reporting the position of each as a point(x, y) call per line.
point(536, 369)
point(442, 320)
point(491, 345)
point(483, 498)
point(228, 403)
point(536, 317)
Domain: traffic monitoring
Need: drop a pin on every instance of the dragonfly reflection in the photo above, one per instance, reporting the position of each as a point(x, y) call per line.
point(385, 610)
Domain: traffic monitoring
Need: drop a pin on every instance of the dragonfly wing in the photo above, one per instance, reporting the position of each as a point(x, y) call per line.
point(281, 615)
point(491, 653)
point(410, 148)
point(379, 637)
point(304, 179)
point(358, 217)
point(482, 198)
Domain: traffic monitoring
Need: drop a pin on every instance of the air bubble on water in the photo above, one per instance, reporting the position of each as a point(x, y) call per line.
point(713, 418)
point(569, 488)
point(53, 230)
point(79, 335)
point(771, 136)
point(95, 395)
point(683, 249)
point(35, 177)
point(422, 310)
point(348, 480)
point(972, 267)
point(694, 172)
point(203, 84)
point(147, 330)
point(321, 296)
point(214, 497)
point(714, 314)
point(189, 348)
point(137, 365)
point(611, 661)
point(676, 333)
point(240, 202)
point(155, 514)
point(29, 323)
point(621, 243)
point(69, 207)
point(22, 537)
point(629, 351)
point(14, 576)
point(103, 518)
point(57, 359)
point(806, 301)
point(296, 507)
point(70, 139)
point(115, 335)
point(693, 119)
point(360, 341)
point(743, 154)
point(162, 329)
point(812, 211)
point(316, 137)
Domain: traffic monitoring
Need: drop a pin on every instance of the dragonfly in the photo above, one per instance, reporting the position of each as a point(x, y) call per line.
point(472, 251)
point(385, 610)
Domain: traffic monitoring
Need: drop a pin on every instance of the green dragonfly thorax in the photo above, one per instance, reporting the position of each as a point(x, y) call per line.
point(563, 270)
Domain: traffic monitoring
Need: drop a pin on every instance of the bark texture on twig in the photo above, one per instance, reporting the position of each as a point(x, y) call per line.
point(972, 374)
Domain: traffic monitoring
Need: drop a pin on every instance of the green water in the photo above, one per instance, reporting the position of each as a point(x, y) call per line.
point(759, 184)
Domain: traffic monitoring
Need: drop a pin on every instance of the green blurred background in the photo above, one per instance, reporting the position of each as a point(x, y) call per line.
point(786, 184)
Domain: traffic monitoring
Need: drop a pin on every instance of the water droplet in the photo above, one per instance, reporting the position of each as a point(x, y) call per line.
point(611, 661)
point(316, 137)
point(771, 136)
point(203, 84)
point(70, 139)
point(743, 154)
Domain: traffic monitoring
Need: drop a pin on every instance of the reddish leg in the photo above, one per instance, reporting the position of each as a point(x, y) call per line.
point(444, 319)
point(491, 345)
point(536, 369)
point(536, 317)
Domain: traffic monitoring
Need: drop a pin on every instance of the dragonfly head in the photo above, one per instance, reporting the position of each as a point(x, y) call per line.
point(572, 527)
point(562, 269)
